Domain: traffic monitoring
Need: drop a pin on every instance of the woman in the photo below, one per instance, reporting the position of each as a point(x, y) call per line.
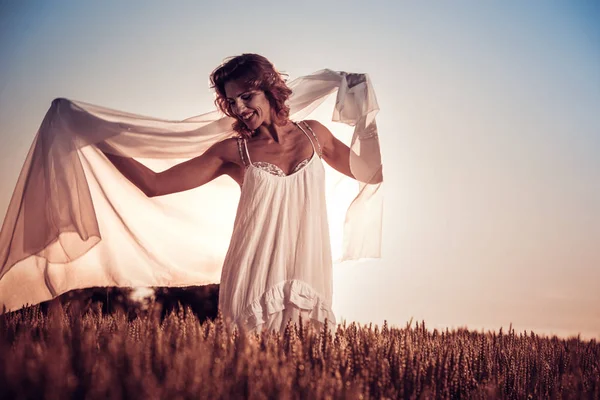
point(279, 265)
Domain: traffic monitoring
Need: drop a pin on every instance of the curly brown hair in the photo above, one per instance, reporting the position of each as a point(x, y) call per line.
point(257, 73)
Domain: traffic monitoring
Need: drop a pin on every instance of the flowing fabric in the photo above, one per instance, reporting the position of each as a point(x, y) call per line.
point(75, 221)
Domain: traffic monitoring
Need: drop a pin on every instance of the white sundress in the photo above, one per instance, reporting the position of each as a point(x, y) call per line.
point(279, 264)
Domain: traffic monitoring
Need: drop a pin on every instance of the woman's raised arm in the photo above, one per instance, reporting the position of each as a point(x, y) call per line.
point(192, 173)
point(337, 154)
point(137, 173)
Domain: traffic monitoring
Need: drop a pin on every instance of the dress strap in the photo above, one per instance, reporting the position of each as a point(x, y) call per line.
point(247, 152)
point(239, 143)
point(320, 151)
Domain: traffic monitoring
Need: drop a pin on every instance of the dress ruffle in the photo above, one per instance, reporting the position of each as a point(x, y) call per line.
point(291, 293)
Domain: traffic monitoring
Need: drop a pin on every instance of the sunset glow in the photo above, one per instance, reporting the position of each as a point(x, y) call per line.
point(488, 125)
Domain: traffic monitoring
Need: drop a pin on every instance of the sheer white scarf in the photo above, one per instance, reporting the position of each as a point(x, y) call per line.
point(74, 221)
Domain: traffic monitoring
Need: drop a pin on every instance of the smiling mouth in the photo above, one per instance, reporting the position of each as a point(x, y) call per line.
point(247, 117)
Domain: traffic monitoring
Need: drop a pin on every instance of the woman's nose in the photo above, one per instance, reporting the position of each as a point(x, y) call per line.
point(238, 106)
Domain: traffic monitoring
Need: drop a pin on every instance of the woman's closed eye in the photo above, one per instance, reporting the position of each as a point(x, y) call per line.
point(244, 97)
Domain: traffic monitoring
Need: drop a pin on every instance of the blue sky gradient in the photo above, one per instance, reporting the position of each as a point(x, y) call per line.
point(489, 124)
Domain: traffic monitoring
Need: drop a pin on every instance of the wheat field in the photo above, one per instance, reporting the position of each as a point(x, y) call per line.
point(68, 351)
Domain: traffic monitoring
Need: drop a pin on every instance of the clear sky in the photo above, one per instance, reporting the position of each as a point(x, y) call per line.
point(489, 124)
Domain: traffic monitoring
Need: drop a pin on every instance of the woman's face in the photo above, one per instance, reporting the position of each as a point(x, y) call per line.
point(250, 106)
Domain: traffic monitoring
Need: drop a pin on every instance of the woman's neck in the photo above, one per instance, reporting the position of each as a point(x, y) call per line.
point(273, 132)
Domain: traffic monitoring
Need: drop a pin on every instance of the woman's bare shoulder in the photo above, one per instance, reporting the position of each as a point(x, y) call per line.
point(227, 149)
point(323, 133)
point(314, 124)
